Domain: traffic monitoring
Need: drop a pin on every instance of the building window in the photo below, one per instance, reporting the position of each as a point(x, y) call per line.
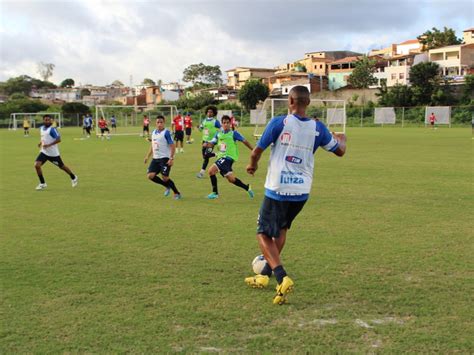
point(401, 76)
point(315, 67)
point(394, 76)
point(320, 66)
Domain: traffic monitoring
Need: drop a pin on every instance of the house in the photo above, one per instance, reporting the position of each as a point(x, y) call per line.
point(277, 82)
point(237, 77)
point(386, 52)
point(220, 93)
point(59, 94)
point(468, 36)
point(339, 72)
point(455, 61)
point(155, 95)
point(410, 46)
point(398, 69)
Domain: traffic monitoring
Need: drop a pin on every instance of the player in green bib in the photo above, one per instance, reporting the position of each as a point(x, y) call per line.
point(209, 126)
point(228, 152)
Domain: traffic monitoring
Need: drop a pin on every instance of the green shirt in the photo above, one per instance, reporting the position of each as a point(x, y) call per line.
point(209, 129)
point(227, 145)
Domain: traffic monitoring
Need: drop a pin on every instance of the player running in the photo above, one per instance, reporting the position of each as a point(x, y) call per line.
point(50, 152)
point(163, 150)
point(210, 125)
point(103, 128)
point(226, 140)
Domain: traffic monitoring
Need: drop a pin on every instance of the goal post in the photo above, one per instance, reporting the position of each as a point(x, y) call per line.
point(129, 118)
point(35, 119)
point(442, 114)
point(384, 115)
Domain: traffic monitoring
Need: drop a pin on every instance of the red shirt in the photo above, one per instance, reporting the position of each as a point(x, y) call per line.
point(188, 122)
point(178, 123)
point(146, 121)
point(432, 118)
point(102, 123)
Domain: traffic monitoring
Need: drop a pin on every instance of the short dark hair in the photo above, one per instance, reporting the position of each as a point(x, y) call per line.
point(225, 118)
point(212, 108)
point(160, 117)
point(46, 116)
point(301, 95)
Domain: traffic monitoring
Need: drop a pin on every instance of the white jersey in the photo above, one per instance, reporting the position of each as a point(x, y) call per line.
point(291, 164)
point(160, 141)
point(48, 136)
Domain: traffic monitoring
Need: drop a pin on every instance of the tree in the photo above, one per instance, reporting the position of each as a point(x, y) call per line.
point(67, 83)
point(252, 92)
point(45, 70)
point(148, 81)
point(85, 92)
point(117, 83)
point(74, 108)
point(23, 84)
point(363, 74)
point(468, 90)
point(203, 74)
point(300, 67)
point(435, 38)
point(424, 78)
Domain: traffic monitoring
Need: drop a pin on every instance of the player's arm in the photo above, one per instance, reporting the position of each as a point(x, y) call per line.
point(172, 151)
point(148, 154)
point(341, 140)
point(247, 144)
point(254, 158)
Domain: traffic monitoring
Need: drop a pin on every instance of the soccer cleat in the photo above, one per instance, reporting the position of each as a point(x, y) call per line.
point(283, 290)
point(167, 192)
point(177, 196)
point(41, 187)
point(74, 182)
point(200, 175)
point(212, 196)
point(257, 281)
point(250, 192)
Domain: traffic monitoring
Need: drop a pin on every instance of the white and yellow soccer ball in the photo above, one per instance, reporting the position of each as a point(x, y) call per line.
point(258, 264)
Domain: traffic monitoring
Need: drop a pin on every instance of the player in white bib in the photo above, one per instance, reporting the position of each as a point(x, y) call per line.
point(50, 152)
point(163, 149)
point(294, 139)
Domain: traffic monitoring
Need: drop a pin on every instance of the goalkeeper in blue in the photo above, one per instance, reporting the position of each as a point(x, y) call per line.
point(294, 138)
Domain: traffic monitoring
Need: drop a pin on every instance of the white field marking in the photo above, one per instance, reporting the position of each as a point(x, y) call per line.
point(210, 348)
point(319, 322)
point(377, 343)
point(362, 324)
point(80, 139)
point(388, 320)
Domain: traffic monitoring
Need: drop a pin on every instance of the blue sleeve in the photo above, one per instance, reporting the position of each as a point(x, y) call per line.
point(324, 139)
point(217, 124)
point(54, 133)
point(271, 132)
point(238, 137)
point(214, 139)
point(168, 138)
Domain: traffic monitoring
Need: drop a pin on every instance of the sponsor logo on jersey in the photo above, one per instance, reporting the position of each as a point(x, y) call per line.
point(293, 159)
point(288, 177)
point(285, 138)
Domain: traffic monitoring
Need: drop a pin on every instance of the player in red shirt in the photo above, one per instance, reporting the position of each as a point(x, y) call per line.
point(177, 126)
point(103, 128)
point(233, 124)
point(188, 126)
point(432, 119)
point(146, 126)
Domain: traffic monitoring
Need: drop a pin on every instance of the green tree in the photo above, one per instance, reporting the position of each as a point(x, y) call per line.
point(74, 107)
point(23, 84)
point(424, 78)
point(435, 38)
point(67, 83)
point(252, 92)
point(85, 92)
point(20, 103)
point(468, 90)
point(300, 67)
point(363, 74)
point(45, 70)
point(117, 83)
point(148, 81)
point(203, 74)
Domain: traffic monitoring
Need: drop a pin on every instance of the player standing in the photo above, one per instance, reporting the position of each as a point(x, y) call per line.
point(50, 152)
point(188, 126)
point(209, 126)
point(163, 149)
point(26, 127)
point(432, 119)
point(103, 128)
point(113, 123)
point(226, 141)
point(177, 127)
point(146, 126)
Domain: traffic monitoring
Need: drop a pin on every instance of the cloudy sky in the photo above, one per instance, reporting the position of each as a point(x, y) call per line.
point(97, 42)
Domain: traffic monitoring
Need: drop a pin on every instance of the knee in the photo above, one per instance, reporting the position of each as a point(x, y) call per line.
point(150, 176)
point(165, 178)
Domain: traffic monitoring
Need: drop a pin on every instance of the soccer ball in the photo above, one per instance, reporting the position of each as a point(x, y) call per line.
point(258, 264)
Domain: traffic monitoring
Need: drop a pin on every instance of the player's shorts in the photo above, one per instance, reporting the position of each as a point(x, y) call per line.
point(225, 166)
point(160, 166)
point(114, 126)
point(432, 123)
point(207, 152)
point(102, 130)
point(275, 215)
point(43, 158)
point(188, 131)
point(178, 136)
point(88, 130)
point(146, 128)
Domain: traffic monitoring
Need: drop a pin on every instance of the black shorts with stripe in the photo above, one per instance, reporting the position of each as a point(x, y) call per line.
point(43, 158)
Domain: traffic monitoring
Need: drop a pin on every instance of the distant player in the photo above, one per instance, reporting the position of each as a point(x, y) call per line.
point(50, 152)
point(146, 126)
point(294, 139)
point(103, 128)
point(233, 123)
point(228, 153)
point(88, 125)
point(432, 119)
point(177, 127)
point(163, 149)
point(210, 125)
point(113, 123)
point(188, 127)
point(26, 127)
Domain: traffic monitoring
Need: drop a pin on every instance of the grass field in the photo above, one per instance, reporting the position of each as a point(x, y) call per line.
point(381, 255)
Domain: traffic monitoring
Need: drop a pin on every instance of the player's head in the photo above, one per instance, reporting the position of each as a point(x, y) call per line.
point(160, 122)
point(225, 120)
point(47, 120)
point(299, 97)
point(211, 111)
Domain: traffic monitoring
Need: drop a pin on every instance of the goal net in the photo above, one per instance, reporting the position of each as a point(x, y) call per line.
point(129, 118)
point(331, 112)
point(384, 115)
point(442, 114)
point(34, 119)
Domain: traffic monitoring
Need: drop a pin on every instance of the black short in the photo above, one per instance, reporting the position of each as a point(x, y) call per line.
point(114, 126)
point(160, 166)
point(225, 166)
point(43, 158)
point(146, 128)
point(88, 130)
point(178, 136)
point(102, 130)
point(188, 131)
point(276, 215)
point(207, 152)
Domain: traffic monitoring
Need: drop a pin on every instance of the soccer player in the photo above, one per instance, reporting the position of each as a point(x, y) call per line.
point(88, 124)
point(432, 119)
point(210, 125)
point(146, 126)
point(188, 127)
point(294, 139)
point(26, 127)
point(163, 149)
point(226, 140)
point(103, 128)
point(50, 152)
point(113, 122)
point(177, 127)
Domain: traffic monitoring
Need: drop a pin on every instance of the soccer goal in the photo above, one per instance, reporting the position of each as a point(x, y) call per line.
point(442, 114)
point(331, 112)
point(34, 118)
point(384, 115)
point(129, 118)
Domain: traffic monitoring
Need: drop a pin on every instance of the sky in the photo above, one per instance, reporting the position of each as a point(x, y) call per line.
point(97, 42)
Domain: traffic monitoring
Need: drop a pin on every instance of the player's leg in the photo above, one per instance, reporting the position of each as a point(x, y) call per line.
point(40, 160)
point(152, 173)
point(206, 155)
point(165, 173)
point(212, 175)
point(59, 163)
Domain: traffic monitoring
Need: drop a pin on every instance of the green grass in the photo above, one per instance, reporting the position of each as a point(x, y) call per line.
point(381, 255)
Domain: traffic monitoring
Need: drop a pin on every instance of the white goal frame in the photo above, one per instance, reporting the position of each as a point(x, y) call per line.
point(138, 109)
point(13, 123)
point(429, 109)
